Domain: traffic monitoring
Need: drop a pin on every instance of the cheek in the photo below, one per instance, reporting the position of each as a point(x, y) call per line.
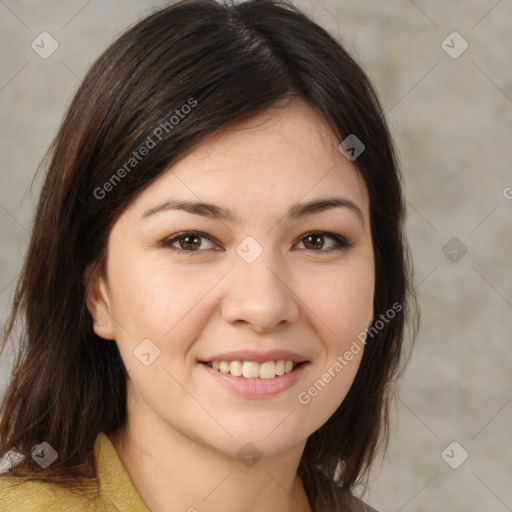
point(144, 294)
point(343, 303)
point(154, 300)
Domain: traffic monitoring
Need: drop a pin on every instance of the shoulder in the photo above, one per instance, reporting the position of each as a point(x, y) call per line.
point(114, 493)
point(17, 495)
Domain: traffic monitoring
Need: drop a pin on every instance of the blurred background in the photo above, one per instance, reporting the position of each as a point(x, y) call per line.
point(444, 76)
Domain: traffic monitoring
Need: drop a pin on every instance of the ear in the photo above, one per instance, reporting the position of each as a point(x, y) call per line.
point(98, 302)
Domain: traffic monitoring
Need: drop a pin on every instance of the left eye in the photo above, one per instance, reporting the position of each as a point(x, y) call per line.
point(315, 241)
point(191, 241)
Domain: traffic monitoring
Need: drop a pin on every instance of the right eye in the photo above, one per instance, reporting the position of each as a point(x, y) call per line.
point(189, 241)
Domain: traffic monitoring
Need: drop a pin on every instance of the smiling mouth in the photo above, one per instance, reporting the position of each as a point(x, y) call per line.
point(253, 370)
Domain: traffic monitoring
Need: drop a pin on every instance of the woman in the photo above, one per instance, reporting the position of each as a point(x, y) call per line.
point(216, 289)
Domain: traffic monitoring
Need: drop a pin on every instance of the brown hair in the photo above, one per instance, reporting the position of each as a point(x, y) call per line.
point(230, 61)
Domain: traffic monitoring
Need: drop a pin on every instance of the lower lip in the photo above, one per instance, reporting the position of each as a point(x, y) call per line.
point(257, 388)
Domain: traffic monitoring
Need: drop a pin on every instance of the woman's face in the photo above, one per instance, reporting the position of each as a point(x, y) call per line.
point(255, 282)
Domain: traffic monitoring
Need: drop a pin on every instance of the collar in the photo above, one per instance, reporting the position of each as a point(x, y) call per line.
point(114, 481)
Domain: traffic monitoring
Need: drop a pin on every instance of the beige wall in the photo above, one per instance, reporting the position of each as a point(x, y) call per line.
point(452, 118)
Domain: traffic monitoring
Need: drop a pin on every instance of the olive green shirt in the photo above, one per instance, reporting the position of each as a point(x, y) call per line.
point(117, 492)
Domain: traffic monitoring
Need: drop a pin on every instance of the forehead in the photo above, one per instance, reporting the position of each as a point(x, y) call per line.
point(283, 155)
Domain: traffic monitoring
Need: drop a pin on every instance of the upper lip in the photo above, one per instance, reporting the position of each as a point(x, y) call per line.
point(257, 356)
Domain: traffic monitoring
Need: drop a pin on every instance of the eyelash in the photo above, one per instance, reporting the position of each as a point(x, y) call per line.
point(341, 242)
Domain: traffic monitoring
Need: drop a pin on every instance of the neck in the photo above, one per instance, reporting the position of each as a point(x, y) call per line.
point(167, 467)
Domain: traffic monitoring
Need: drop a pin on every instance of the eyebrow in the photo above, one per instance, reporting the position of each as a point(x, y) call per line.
point(296, 211)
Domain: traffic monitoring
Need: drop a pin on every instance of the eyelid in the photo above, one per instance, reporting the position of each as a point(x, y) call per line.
point(341, 242)
point(174, 238)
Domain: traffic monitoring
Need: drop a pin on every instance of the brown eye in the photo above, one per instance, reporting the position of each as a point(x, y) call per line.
point(316, 242)
point(192, 241)
point(189, 241)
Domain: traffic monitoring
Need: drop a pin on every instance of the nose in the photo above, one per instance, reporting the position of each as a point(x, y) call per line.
point(260, 296)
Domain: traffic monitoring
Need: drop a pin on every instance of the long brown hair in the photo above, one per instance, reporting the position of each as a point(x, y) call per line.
point(230, 61)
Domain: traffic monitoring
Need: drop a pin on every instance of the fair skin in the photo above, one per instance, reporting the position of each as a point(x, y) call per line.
point(185, 425)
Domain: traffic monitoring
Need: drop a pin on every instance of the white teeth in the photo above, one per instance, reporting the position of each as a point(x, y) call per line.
point(253, 370)
point(224, 367)
point(268, 370)
point(235, 368)
point(250, 370)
